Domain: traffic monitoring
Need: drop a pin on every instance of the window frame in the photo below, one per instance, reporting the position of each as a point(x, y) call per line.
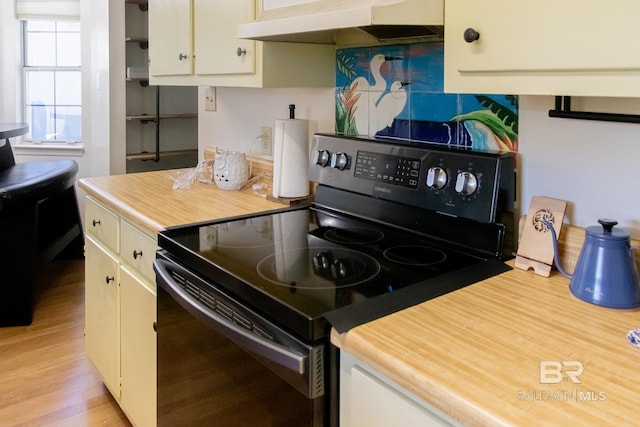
point(59, 145)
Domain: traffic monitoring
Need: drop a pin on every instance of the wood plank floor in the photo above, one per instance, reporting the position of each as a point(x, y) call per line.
point(45, 376)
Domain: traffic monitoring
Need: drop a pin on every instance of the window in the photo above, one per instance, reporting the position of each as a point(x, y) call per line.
point(52, 80)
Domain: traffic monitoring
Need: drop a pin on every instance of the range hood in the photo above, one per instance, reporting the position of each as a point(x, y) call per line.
point(347, 21)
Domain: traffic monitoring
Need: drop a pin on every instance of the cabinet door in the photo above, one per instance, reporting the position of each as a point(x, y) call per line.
point(102, 327)
point(217, 47)
point(103, 224)
point(170, 35)
point(138, 354)
point(555, 40)
point(138, 251)
point(376, 404)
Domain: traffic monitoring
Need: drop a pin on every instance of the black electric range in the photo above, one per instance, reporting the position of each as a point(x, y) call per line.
point(392, 224)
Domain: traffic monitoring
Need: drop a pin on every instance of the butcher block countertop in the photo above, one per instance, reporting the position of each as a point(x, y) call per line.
point(149, 200)
point(476, 354)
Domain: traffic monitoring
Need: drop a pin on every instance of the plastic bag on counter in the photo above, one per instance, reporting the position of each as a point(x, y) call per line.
point(184, 179)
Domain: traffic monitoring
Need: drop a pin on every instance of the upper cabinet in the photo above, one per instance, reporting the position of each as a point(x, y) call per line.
point(171, 52)
point(544, 47)
point(220, 51)
point(216, 57)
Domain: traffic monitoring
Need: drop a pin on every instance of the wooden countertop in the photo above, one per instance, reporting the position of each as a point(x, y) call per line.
point(476, 354)
point(149, 200)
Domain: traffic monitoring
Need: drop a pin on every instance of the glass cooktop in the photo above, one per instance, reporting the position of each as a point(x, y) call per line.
point(297, 265)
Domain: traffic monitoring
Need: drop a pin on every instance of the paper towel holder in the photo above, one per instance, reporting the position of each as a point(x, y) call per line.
point(291, 156)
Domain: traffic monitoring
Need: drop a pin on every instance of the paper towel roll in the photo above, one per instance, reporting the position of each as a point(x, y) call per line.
point(291, 158)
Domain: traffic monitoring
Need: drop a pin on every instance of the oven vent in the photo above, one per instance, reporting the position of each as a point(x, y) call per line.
point(208, 300)
point(192, 289)
point(316, 365)
point(222, 308)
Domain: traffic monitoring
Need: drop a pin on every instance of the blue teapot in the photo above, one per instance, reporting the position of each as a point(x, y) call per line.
point(606, 273)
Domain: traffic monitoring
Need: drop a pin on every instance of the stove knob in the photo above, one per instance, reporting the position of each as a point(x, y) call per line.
point(339, 161)
point(466, 183)
point(436, 178)
point(322, 158)
point(321, 263)
point(338, 270)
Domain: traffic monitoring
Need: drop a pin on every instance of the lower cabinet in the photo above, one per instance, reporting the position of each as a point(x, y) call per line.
point(137, 349)
point(120, 310)
point(369, 399)
point(102, 323)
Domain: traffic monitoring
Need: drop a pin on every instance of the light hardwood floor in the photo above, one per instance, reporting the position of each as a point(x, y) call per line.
point(45, 376)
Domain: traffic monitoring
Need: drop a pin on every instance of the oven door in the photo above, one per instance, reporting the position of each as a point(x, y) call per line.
point(221, 364)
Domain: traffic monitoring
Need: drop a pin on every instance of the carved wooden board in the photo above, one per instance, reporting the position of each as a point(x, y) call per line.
point(535, 249)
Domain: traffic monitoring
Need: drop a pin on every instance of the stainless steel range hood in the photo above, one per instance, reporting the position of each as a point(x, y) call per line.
point(348, 21)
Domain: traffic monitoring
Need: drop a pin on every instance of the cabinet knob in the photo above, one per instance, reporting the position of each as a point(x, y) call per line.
point(155, 326)
point(136, 254)
point(471, 35)
point(182, 56)
point(240, 51)
point(95, 222)
point(108, 279)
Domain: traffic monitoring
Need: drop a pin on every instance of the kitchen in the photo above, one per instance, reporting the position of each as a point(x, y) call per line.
point(554, 154)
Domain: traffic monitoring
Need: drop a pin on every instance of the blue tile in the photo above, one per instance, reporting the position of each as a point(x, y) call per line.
point(351, 63)
point(427, 67)
point(366, 104)
point(435, 107)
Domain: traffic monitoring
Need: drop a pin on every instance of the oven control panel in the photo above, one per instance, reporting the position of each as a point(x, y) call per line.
point(386, 168)
point(453, 181)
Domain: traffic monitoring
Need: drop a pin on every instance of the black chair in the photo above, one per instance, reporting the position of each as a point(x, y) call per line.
point(39, 221)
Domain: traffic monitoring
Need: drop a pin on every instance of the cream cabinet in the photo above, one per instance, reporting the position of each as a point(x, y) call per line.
point(138, 348)
point(120, 310)
point(369, 399)
point(102, 323)
point(545, 47)
point(194, 42)
point(170, 46)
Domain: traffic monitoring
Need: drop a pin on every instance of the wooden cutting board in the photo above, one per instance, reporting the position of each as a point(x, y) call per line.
point(536, 244)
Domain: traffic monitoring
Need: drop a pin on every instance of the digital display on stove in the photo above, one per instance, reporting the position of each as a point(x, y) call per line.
point(390, 169)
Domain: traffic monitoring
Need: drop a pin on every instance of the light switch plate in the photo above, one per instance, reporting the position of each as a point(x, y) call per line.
point(210, 99)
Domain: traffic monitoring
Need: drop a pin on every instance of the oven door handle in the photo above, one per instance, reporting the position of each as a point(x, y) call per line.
point(256, 344)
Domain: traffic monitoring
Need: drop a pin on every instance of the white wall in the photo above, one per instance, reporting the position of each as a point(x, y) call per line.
point(240, 114)
point(97, 53)
point(592, 165)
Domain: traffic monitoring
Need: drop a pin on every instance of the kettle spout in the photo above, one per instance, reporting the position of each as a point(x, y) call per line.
point(556, 258)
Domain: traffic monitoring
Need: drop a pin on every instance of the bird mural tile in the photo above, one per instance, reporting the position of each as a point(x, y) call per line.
point(397, 91)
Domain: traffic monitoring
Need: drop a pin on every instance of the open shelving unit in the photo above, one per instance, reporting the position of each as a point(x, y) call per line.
point(171, 142)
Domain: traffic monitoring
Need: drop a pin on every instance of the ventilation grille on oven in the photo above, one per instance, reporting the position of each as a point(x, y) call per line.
point(221, 307)
point(316, 365)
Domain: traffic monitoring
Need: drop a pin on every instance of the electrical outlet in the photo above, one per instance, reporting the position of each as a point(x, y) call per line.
point(210, 99)
point(267, 141)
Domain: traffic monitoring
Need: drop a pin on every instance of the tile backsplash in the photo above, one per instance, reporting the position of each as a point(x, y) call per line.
point(397, 91)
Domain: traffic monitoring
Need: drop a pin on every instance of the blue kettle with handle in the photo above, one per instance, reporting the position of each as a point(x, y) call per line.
point(606, 273)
